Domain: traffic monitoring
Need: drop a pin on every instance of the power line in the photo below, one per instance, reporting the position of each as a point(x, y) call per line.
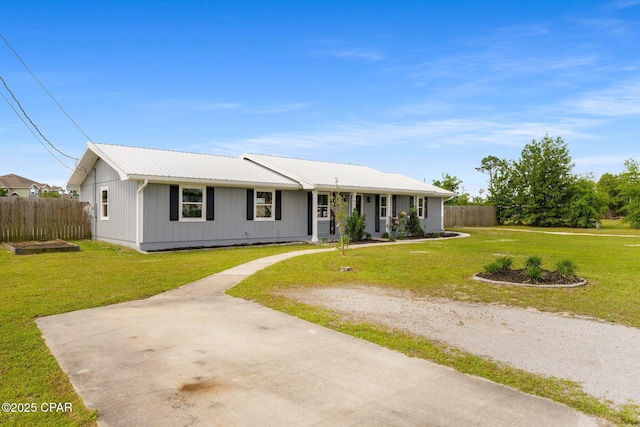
point(33, 133)
point(44, 88)
point(31, 121)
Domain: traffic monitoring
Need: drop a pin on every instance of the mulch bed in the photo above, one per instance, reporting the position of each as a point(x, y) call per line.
point(520, 277)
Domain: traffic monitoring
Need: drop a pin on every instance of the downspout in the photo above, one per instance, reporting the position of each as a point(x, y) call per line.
point(94, 213)
point(140, 211)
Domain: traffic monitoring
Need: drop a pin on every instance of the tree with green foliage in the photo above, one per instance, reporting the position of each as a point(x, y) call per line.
point(587, 205)
point(355, 226)
point(543, 179)
point(50, 195)
point(500, 191)
point(540, 189)
point(3, 191)
point(452, 183)
point(609, 185)
point(629, 187)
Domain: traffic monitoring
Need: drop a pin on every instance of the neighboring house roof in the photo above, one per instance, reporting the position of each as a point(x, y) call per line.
point(322, 176)
point(135, 163)
point(13, 181)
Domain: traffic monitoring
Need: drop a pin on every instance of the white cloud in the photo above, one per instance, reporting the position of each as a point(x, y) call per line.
point(617, 101)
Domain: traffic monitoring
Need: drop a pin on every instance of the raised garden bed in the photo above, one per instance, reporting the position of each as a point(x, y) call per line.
point(38, 247)
point(551, 279)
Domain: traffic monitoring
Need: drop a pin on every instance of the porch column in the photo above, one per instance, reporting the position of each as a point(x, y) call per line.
point(314, 216)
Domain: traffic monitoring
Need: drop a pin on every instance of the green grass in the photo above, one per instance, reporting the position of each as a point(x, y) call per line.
point(444, 269)
point(40, 285)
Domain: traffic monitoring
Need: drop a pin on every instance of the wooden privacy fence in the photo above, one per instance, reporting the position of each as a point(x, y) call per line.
point(42, 219)
point(470, 216)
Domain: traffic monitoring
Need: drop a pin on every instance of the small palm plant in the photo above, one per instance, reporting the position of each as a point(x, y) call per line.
point(498, 265)
point(533, 261)
point(566, 269)
point(533, 264)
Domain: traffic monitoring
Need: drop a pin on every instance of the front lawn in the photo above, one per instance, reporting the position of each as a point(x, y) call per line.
point(32, 286)
point(443, 268)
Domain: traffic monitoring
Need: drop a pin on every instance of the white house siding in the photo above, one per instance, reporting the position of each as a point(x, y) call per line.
point(230, 226)
point(120, 227)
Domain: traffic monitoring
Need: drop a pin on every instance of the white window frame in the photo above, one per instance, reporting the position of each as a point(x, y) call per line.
point(383, 207)
point(420, 207)
point(104, 203)
point(203, 203)
point(272, 205)
point(326, 206)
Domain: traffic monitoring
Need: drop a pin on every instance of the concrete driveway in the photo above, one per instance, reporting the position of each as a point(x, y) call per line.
point(196, 357)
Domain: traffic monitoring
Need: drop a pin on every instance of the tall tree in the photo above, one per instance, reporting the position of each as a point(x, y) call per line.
point(543, 178)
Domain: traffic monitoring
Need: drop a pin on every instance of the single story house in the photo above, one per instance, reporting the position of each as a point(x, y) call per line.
point(152, 199)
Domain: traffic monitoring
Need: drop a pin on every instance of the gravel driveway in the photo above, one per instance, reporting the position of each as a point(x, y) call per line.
point(603, 357)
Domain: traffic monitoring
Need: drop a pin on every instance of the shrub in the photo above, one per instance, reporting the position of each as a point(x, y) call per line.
point(566, 269)
point(535, 273)
point(354, 228)
point(493, 267)
point(505, 262)
point(413, 224)
point(533, 261)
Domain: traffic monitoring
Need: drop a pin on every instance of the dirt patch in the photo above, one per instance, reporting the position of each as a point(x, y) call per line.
point(199, 386)
point(601, 356)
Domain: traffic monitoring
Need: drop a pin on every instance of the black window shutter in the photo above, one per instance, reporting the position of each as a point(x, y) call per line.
point(249, 204)
point(309, 213)
point(425, 207)
point(210, 203)
point(376, 219)
point(332, 219)
point(174, 202)
point(278, 205)
point(410, 201)
point(393, 204)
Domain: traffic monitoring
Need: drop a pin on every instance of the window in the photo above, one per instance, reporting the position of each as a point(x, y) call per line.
point(383, 207)
point(323, 206)
point(264, 205)
point(104, 203)
point(420, 207)
point(192, 203)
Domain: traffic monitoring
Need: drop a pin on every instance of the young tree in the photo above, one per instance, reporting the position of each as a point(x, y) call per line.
point(339, 208)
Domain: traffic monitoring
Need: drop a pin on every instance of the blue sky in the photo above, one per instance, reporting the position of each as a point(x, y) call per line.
point(414, 87)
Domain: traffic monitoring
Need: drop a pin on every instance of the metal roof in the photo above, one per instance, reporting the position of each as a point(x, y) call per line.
point(322, 176)
point(166, 166)
point(135, 163)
